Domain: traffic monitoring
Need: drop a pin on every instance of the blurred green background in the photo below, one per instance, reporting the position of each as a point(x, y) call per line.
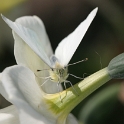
point(103, 41)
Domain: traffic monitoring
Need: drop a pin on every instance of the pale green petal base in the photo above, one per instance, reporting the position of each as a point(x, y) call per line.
point(70, 99)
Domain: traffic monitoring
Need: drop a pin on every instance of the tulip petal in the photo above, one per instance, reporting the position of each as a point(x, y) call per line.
point(19, 87)
point(30, 116)
point(9, 115)
point(30, 37)
point(26, 56)
point(18, 83)
point(35, 23)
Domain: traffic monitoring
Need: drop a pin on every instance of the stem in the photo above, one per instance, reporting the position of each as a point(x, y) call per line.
point(70, 99)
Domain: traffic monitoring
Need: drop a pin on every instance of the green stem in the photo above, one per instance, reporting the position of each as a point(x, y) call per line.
point(70, 98)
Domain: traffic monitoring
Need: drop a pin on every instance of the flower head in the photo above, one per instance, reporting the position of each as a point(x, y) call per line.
point(21, 84)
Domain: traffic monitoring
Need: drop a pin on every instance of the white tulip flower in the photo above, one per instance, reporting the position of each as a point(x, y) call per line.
point(21, 84)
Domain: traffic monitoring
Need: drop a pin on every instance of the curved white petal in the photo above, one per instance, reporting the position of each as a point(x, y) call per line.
point(68, 45)
point(30, 38)
point(25, 56)
point(9, 115)
point(32, 28)
point(35, 23)
point(18, 86)
point(71, 119)
point(28, 115)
